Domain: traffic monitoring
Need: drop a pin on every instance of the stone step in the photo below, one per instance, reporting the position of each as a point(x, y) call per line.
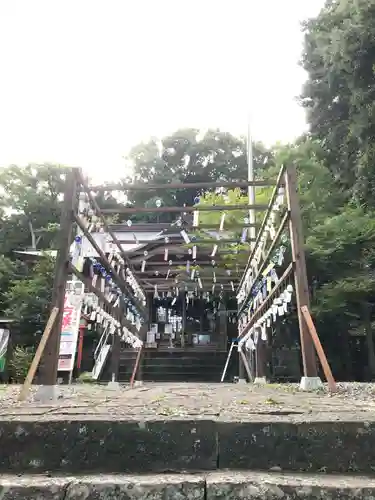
point(165, 441)
point(212, 486)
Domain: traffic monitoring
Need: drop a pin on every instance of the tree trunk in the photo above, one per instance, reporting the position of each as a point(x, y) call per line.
point(369, 340)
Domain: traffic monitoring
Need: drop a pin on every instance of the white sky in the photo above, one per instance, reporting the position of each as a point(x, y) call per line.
point(84, 80)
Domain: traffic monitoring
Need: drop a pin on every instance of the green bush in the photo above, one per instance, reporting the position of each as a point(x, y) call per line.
point(20, 363)
point(86, 378)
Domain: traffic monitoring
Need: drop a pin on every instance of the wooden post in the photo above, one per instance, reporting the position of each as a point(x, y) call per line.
point(115, 357)
point(184, 314)
point(136, 365)
point(183, 322)
point(241, 368)
point(300, 273)
point(260, 359)
point(245, 364)
point(39, 352)
point(49, 362)
point(319, 349)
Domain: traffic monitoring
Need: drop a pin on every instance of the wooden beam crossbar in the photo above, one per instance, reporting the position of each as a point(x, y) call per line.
point(203, 208)
point(181, 185)
point(196, 242)
point(164, 226)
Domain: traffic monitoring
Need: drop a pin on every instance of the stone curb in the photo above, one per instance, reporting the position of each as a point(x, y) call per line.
point(161, 446)
point(212, 486)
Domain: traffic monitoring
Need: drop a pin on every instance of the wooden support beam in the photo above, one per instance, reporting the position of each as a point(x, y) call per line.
point(245, 364)
point(39, 353)
point(180, 185)
point(50, 357)
point(300, 272)
point(181, 244)
point(202, 208)
point(164, 226)
point(183, 262)
point(136, 365)
point(319, 349)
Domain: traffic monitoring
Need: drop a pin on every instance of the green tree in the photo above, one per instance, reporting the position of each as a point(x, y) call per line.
point(28, 300)
point(339, 56)
point(30, 199)
point(188, 156)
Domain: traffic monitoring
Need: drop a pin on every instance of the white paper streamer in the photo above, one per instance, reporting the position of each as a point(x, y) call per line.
point(166, 254)
point(194, 252)
point(185, 236)
point(143, 266)
point(221, 228)
point(214, 250)
point(196, 218)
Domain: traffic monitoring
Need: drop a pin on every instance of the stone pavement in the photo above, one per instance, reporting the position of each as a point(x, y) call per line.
point(189, 428)
point(222, 402)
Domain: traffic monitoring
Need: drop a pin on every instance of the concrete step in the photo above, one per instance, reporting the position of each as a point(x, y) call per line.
point(164, 441)
point(173, 366)
point(212, 486)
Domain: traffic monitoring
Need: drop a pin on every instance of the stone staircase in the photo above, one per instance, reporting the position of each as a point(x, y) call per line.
point(176, 365)
point(121, 457)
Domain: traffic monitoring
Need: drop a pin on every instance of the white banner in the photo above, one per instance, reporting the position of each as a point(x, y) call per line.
point(70, 325)
point(4, 340)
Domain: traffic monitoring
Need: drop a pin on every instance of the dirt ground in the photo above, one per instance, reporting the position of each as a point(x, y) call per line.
point(353, 401)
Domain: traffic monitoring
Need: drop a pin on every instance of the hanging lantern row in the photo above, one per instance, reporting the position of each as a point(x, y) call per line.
point(257, 292)
point(101, 317)
point(278, 308)
point(98, 314)
point(131, 339)
point(269, 232)
point(88, 213)
point(134, 285)
point(110, 290)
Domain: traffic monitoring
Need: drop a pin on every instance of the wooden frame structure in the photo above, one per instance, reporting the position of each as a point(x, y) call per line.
point(256, 312)
point(149, 275)
point(166, 276)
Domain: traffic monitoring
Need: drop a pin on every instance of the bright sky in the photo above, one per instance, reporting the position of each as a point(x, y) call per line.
point(84, 80)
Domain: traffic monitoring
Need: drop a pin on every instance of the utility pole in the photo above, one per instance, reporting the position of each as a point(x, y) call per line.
point(252, 231)
point(251, 189)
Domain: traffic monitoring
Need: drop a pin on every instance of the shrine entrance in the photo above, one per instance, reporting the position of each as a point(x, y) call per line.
point(198, 285)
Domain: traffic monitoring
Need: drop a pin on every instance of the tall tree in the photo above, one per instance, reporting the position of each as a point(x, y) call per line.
point(30, 200)
point(190, 156)
point(339, 56)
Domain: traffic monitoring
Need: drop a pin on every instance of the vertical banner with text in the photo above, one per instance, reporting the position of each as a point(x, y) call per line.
point(4, 340)
point(70, 325)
